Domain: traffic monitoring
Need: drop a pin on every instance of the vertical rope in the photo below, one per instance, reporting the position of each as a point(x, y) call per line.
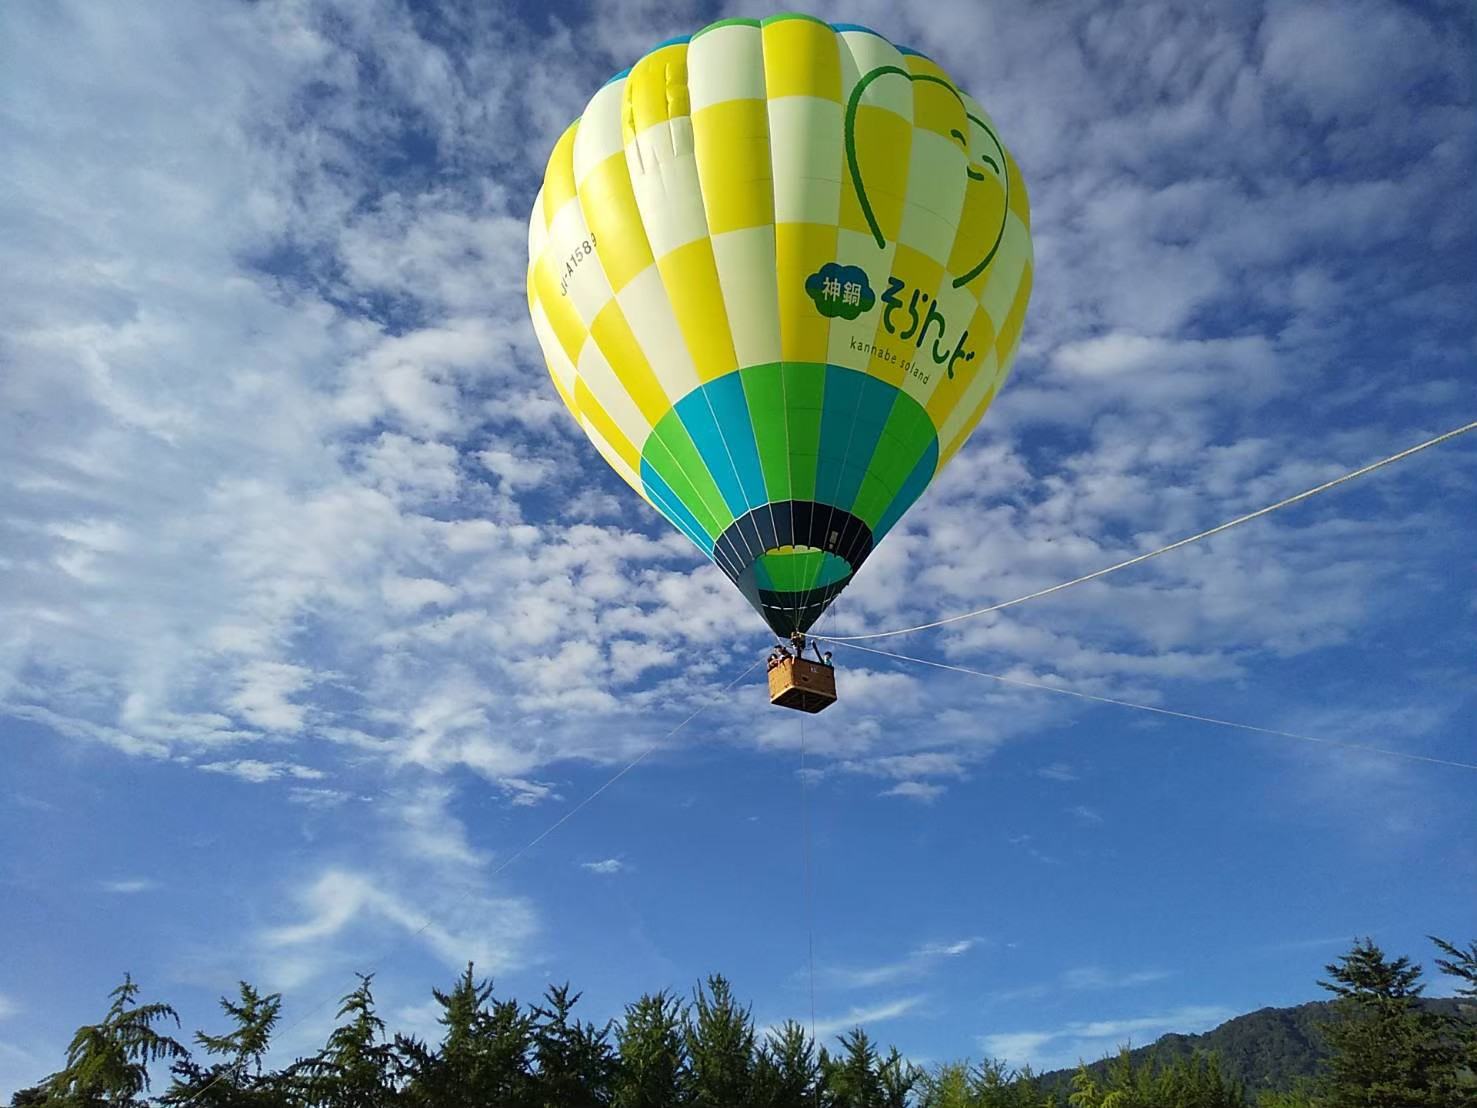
point(809, 890)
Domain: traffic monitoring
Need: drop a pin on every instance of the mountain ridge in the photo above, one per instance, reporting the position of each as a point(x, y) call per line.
point(1267, 1049)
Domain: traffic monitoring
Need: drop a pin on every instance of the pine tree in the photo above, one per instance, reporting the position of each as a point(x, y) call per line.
point(575, 1064)
point(108, 1062)
point(1384, 1049)
point(484, 1054)
point(1462, 965)
point(720, 1047)
point(896, 1077)
point(238, 1080)
point(357, 1068)
point(852, 1080)
point(652, 1071)
point(786, 1073)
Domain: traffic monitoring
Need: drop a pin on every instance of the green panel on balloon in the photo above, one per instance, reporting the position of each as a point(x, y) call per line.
point(830, 450)
point(796, 570)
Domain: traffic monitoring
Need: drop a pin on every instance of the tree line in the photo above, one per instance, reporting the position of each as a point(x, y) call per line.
point(1383, 1049)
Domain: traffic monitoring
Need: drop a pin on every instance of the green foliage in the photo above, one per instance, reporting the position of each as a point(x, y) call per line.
point(574, 1060)
point(358, 1067)
point(108, 1062)
point(787, 1073)
point(1384, 1048)
point(861, 1078)
point(484, 1054)
point(992, 1084)
point(235, 1082)
point(1382, 1045)
point(720, 1047)
point(1183, 1083)
point(652, 1071)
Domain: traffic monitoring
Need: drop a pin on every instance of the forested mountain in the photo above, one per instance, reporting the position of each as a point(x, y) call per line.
point(1269, 1049)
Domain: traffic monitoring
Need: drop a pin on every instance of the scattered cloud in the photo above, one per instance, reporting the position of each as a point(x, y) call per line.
point(1092, 1039)
point(1058, 771)
point(258, 772)
point(920, 791)
point(919, 963)
point(1082, 978)
point(605, 867)
point(867, 1016)
point(129, 885)
point(317, 798)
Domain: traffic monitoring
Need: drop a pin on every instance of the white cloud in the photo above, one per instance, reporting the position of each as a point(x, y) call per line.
point(265, 692)
point(1090, 1040)
point(947, 950)
point(8, 1007)
point(258, 772)
point(866, 1016)
point(1095, 977)
point(340, 910)
point(518, 471)
point(523, 793)
point(920, 962)
point(920, 791)
point(317, 798)
point(129, 885)
point(606, 866)
point(1058, 771)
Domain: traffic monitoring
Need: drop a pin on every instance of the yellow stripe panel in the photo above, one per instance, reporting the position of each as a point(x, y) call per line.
point(609, 205)
point(589, 408)
point(936, 107)
point(613, 335)
point(559, 366)
point(564, 319)
point(800, 250)
point(613, 459)
point(949, 393)
point(725, 64)
point(979, 222)
point(691, 279)
point(964, 432)
point(801, 58)
point(559, 176)
point(1010, 329)
point(599, 135)
point(656, 91)
point(731, 141)
point(884, 141)
point(921, 276)
point(1020, 200)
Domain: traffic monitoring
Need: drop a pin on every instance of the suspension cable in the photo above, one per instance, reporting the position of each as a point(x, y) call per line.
point(1166, 711)
point(1304, 495)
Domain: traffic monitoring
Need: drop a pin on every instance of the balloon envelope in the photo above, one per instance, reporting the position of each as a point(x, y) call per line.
point(779, 270)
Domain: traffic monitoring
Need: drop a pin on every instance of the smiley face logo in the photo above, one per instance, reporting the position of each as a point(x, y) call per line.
point(984, 165)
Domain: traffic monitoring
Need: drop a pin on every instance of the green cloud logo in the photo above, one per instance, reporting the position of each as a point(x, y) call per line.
point(840, 290)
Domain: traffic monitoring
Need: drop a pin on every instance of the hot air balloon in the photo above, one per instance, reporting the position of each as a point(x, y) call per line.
point(778, 270)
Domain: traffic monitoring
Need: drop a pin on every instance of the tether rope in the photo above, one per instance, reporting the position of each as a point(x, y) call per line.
point(809, 884)
point(1167, 711)
point(1237, 522)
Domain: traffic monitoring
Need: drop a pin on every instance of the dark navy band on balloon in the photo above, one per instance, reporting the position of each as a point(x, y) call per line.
point(791, 523)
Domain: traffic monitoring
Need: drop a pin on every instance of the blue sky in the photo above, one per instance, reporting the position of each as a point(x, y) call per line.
point(315, 607)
